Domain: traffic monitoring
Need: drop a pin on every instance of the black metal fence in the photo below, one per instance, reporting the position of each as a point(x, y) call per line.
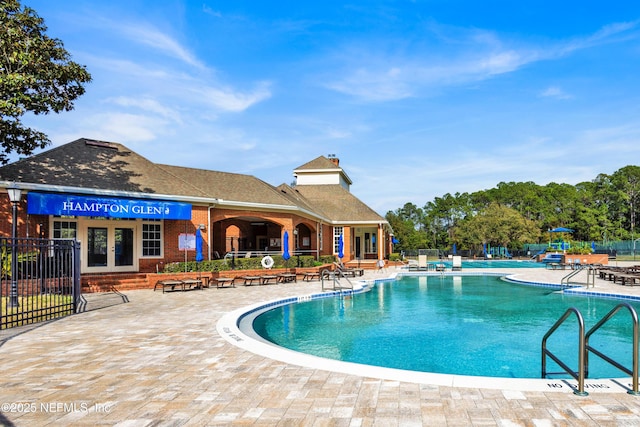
point(39, 280)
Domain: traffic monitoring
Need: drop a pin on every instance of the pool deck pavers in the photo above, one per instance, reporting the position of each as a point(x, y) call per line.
point(158, 360)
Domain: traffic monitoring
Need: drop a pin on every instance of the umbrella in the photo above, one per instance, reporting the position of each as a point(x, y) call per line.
point(484, 249)
point(455, 249)
point(593, 246)
point(561, 230)
point(395, 241)
point(340, 247)
point(199, 256)
point(285, 253)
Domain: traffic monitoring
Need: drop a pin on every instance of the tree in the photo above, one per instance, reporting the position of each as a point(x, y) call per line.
point(441, 215)
point(497, 225)
point(36, 75)
point(406, 223)
point(627, 183)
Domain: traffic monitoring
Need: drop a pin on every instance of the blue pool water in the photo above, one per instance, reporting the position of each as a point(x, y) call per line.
point(466, 325)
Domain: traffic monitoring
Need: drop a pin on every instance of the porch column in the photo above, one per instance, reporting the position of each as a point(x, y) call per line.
point(381, 242)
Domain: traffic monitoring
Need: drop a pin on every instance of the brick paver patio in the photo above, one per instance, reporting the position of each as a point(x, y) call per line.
point(158, 361)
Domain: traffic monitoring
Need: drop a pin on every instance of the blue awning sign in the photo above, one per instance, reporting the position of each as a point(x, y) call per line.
point(109, 207)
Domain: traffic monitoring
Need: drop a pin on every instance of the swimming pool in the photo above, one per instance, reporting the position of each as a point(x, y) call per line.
point(492, 263)
point(464, 325)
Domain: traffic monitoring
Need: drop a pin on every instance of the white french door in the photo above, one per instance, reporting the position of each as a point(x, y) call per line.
point(108, 246)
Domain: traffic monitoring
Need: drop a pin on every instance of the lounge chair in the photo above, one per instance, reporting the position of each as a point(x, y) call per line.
point(422, 262)
point(310, 276)
point(412, 264)
point(287, 277)
point(348, 271)
point(222, 282)
point(169, 283)
point(266, 279)
point(250, 280)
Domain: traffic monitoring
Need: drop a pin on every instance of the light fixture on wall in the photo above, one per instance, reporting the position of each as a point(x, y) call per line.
point(202, 227)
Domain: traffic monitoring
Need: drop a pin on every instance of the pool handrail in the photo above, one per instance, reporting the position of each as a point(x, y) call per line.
point(634, 370)
point(580, 374)
point(335, 276)
point(584, 348)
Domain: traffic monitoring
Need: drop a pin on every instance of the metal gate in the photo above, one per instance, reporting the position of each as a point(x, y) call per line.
point(39, 280)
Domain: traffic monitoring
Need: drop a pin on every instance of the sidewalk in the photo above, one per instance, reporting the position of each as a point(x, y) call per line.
point(158, 360)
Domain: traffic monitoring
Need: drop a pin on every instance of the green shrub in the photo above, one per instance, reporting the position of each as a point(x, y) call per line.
point(245, 264)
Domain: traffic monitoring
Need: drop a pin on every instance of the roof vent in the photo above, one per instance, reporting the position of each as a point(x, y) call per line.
point(101, 144)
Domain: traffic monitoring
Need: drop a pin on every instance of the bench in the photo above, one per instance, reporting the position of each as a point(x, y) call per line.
point(626, 279)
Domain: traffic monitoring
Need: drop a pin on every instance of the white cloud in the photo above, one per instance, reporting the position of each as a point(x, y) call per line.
point(373, 85)
point(555, 92)
point(468, 56)
point(146, 104)
point(148, 35)
point(209, 11)
point(122, 127)
point(229, 100)
point(170, 87)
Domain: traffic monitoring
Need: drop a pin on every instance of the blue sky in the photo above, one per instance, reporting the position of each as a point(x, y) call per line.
point(416, 98)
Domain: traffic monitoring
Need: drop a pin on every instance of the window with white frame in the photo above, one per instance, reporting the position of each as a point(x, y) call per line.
point(337, 232)
point(151, 239)
point(65, 229)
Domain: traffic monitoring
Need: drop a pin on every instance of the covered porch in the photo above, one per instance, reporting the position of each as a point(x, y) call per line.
point(257, 236)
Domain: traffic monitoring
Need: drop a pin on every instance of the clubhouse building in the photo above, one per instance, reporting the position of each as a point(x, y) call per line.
point(132, 215)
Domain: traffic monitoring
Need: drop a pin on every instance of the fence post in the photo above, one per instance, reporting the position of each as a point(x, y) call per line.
point(77, 286)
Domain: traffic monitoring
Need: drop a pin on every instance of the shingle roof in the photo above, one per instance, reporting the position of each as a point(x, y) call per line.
point(298, 199)
point(229, 186)
point(338, 204)
point(96, 165)
point(318, 163)
point(111, 166)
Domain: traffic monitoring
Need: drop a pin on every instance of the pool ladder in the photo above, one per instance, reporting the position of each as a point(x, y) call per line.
point(591, 275)
point(584, 348)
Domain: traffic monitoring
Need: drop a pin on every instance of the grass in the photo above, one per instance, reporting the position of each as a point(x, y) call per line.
point(34, 309)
